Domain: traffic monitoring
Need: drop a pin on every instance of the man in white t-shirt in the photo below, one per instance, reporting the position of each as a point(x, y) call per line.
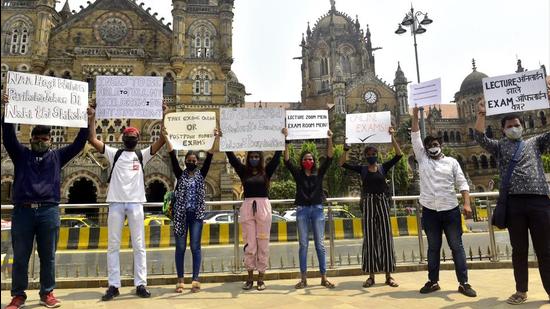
point(125, 197)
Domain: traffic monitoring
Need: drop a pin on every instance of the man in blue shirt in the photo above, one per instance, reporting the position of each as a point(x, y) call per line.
point(36, 196)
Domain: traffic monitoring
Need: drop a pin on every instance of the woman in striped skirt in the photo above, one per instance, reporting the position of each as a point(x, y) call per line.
point(378, 252)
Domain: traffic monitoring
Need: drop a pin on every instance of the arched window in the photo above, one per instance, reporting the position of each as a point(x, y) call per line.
point(489, 132)
point(345, 63)
point(471, 133)
point(67, 75)
point(460, 161)
point(18, 37)
point(155, 132)
point(203, 43)
point(202, 83)
point(168, 85)
point(452, 137)
point(324, 66)
point(445, 137)
point(542, 118)
point(492, 162)
point(484, 162)
point(5, 69)
point(475, 163)
point(58, 134)
point(458, 137)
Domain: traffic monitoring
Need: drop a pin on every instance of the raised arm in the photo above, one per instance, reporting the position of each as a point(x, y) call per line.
point(272, 165)
point(67, 153)
point(330, 148)
point(344, 156)
point(92, 138)
point(416, 139)
point(396, 147)
point(491, 145)
point(160, 142)
point(206, 165)
point(176, 168)
point(9, 138)
point(234, 161)
point(287, 146)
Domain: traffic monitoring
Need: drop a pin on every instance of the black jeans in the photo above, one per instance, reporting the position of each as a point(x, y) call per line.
point(434, 224)
point(529, 213)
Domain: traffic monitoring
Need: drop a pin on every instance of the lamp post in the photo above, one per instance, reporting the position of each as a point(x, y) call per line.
point(412, 20)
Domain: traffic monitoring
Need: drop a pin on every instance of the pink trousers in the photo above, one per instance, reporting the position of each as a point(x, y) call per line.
point(255, 219)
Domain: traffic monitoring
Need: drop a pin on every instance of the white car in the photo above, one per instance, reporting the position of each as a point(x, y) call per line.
point(217, 218)
point(290, 215)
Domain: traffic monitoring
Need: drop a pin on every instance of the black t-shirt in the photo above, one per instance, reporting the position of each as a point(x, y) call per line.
point(309, 189)
point(254, 185)
point(374, 182)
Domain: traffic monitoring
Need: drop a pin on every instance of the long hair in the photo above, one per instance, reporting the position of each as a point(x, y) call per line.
point(302, 155)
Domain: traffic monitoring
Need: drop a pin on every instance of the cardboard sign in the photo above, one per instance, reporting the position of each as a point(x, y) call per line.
point(368, 128)
point(426, 93)
point(307, 124)
point(131, 97)
point(38, 99)
point(514, 93)
point(191, 130)
point(246, 129)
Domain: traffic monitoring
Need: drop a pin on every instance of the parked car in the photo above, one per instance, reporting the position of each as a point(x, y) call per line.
point(277, 218)
point(76, 221)
point(230, 218)
point(153, 220)
point(339, 213)
point(290, 215)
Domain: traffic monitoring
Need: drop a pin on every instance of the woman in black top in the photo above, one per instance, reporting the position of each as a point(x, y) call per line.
point(378, 252)
point(255, 212)
point(309, 207)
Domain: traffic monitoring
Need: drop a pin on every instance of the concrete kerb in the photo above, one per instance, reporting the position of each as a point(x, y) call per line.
point(91, 282)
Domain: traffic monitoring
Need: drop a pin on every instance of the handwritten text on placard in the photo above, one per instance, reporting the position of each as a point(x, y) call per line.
point(368, 128)
point(191, 130)
point(307, 124)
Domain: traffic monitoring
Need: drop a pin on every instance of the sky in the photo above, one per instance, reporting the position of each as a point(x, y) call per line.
point(267, 35)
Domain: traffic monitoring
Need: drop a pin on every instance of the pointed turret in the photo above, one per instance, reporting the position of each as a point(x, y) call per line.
point(66, 10)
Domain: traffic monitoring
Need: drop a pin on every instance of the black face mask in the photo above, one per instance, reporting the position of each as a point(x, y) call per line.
point(130, 142)
point(190, 166)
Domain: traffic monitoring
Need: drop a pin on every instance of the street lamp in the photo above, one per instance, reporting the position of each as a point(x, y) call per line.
point(412, 20)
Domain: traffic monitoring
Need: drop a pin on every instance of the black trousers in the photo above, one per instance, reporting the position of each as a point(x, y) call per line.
point(529, 214)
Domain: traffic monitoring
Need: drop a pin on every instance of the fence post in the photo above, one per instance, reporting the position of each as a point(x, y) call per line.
point(419, 228)
point(331, 236)
point(492, 240)
point(236, 263)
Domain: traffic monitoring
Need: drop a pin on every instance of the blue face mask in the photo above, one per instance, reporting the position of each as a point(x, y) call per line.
point(372, 160)
point(254, 162)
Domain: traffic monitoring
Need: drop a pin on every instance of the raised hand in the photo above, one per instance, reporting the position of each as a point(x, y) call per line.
point(481, 107)
point(285, 132)
point(329, 133)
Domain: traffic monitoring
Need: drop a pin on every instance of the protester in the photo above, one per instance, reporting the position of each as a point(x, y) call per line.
point(527, 207)
point(189, 207)
point(439, 175)
point(36, 197)
point(309, 207)
point(255, 212)
point(378, 253)
point(125, 196)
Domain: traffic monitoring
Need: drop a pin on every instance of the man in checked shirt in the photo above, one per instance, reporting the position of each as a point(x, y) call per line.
point(439, 176)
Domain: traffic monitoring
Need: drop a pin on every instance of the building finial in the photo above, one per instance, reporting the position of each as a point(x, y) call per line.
point(332, 5)
point(520, 67)
point(474, 68)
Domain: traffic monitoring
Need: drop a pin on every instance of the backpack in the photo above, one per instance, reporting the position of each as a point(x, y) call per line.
point(118, 154)
point(168, 204)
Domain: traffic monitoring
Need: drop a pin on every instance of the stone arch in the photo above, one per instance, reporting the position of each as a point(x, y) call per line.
point(484, 162)
point(151, 181)
point(68, 183)
point(492, 162)
point(475, 163)
point(196, 25)
point(23, 67)
point(199, 69)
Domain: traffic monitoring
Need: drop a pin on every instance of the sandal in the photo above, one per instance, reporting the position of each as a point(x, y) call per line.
point(327, 284)
point(179, 287)
point(261, 286)
point(391, 282)
point(248, 285)
point(368, 283)
point(516, 299)
point(195, 287)
point(300, 285)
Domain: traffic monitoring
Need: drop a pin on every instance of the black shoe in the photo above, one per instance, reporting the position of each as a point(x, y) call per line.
point(142, 292)
point(467, 290)
point(429, 287)
point(111, 293)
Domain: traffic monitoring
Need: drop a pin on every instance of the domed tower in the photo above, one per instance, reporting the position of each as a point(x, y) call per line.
point(471, 90)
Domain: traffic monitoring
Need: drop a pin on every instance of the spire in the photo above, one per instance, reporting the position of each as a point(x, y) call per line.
point(66, 10)
point(399, 75)
point(520, 68)
point(332, 5)
point(357, 25)
point(474, 68)
point(308, 32)
point(303, 41)
point(368, 32)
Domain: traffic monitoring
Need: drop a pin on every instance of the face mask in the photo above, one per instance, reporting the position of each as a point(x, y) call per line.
point(514, 132)
point(434, 151)
point(40, 146)
point(130, 142)
point(307, 165)
point(372, 160)
point(190, 166)
point(254, 162)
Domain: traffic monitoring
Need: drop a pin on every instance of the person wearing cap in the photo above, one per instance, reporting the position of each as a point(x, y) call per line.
point(36, 196)
point(125, 196)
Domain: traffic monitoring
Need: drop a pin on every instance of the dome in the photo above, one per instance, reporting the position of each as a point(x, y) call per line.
point(473, 82)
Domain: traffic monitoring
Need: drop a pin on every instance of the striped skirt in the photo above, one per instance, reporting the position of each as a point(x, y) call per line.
point(378, 253)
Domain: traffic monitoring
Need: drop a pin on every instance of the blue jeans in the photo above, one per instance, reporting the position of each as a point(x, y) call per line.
point(449, 221)
point(313, 216)
point(28, 223)
point(194, 228)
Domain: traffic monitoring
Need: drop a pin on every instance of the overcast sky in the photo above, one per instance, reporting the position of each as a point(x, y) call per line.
point(267, 34)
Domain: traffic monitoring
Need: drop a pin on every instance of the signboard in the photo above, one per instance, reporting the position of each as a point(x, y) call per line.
point(519, 92)
point(307, 124)
point(132, 97)
point(38, 99)
point(426, 93)
point(368, 128)
point(245, 129)
point(191, 130)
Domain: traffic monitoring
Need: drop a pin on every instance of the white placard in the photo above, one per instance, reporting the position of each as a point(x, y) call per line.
point(368, 128)
point(38, 99)
point(191, 130)
point(519, 92)
point(247, 129)
point(307, 124)
point(131, 97)
point(426, 93)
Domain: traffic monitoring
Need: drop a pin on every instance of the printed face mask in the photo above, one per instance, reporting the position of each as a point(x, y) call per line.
point(514, 133)
point(130, 142)
point(372, 160)
point(434, 151)
point(40, 146)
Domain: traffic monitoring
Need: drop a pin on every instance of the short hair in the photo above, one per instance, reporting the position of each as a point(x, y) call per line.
point(510, 117)
point(429, 139)
point(368, 148)
point(191, 153)
point(41, 130)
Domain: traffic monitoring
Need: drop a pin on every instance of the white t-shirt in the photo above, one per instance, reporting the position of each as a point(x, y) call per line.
point(127, 185)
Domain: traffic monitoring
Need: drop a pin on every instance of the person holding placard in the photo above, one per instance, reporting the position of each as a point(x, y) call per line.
point(36, 196)
point(378, 254)
point(189, 207)
point(439, 175)
point(255, 212)
point(524, 205)
point(126, 196)
point(309, 207)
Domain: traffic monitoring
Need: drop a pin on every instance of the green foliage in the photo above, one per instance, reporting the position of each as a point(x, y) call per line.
point(282, 189)
point(449, 152)
point(546, 162)
point(400, 173)
point(337, 182)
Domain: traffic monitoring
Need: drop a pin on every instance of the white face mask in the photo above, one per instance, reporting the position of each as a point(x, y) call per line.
point(434, 151)
point(514, 133)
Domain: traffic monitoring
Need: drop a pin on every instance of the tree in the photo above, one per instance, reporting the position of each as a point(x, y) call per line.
point(282, 189)
point(546, 162)
point(337, 182)
point(400, 172)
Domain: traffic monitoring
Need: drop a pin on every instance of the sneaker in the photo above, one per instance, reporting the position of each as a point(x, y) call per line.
point(429, 287)
point(17, 302)
point(142, 292)
point(49, 301)
point(111, 293)
point(467, 290)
